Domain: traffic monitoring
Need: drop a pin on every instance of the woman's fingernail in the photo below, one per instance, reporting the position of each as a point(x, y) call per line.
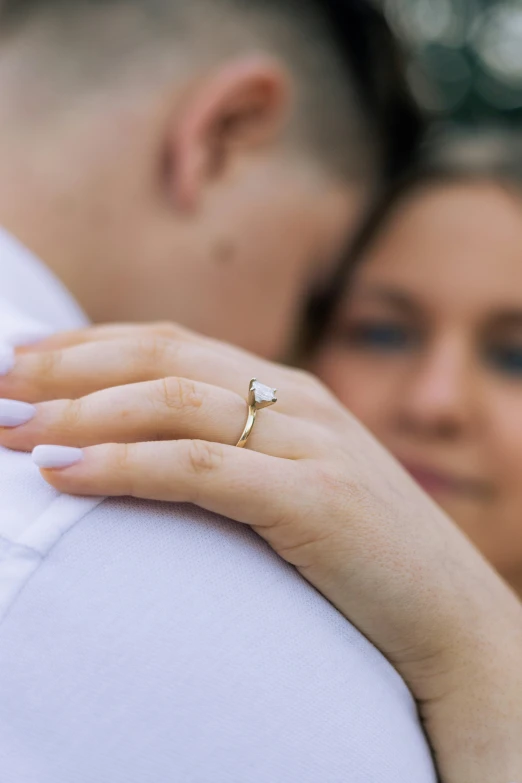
point(56, 457)
point(14, 413)
point(7, 358)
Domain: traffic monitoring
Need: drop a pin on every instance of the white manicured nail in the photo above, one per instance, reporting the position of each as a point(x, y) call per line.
point(7, 358)
point(56, 457)
point(14, 413)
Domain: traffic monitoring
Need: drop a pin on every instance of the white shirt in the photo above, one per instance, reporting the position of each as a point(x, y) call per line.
point(152, 643)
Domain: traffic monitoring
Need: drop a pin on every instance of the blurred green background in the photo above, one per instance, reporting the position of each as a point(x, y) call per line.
point(466, 56)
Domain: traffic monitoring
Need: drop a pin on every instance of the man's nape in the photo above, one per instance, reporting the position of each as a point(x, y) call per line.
point(180, 173)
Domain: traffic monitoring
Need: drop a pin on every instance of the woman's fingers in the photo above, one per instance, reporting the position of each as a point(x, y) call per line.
point(94, 334)
point(89, 367)
point(167, 409)
point(86, 368)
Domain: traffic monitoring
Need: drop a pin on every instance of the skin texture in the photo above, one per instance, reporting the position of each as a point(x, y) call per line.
point(427, 352)
point(320, 490)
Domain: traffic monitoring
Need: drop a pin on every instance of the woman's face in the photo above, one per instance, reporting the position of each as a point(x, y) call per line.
point(427, 352)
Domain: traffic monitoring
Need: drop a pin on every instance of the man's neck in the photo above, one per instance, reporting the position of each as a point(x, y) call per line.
point(30, 289)
point(26, 231)
point(46, 222)
point(56, 177)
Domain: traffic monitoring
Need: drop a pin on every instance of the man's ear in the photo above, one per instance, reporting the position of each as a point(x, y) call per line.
point(241, 106)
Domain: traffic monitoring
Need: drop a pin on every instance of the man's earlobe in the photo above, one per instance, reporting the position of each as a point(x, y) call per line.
point(242, 106)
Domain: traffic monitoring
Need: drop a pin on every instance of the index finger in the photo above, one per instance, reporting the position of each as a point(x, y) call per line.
point(106, 332)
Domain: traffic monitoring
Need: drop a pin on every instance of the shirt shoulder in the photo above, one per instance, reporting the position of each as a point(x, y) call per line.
point(33, 516)
point(164, 643)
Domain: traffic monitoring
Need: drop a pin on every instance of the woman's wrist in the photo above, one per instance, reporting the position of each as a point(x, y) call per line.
point(475, 724)
point(477, 734)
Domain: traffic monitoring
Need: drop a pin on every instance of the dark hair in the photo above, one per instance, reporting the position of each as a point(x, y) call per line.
point(487, 156)
point(377, 62)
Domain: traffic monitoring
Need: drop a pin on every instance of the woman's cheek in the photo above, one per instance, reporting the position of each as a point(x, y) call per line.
point(502, 450)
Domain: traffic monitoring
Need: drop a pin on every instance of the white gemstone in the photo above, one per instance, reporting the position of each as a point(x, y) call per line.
point(263, 393)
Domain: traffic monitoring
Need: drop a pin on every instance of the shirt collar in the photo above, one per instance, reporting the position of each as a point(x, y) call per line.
point(30, 287)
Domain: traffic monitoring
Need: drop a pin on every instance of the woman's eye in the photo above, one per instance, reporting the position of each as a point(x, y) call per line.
point(506, 358)
point(385, 337)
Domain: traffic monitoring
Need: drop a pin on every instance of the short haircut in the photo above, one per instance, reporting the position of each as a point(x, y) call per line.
point(353, 106)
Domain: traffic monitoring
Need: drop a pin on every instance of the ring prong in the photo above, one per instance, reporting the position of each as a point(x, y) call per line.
point(252, 393)
point(264, 396)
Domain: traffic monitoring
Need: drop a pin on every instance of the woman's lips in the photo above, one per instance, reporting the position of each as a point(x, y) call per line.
point(438, 483)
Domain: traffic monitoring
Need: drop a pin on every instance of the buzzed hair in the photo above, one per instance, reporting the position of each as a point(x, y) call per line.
point(95, 43)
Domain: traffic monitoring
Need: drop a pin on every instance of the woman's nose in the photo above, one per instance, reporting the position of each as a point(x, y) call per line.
point(437, 397)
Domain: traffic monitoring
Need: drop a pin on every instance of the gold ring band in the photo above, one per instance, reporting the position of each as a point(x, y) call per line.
point(247, 432)
point(259, 397)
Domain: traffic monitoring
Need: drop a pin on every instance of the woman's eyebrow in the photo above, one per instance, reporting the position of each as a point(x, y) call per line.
point(391, 296)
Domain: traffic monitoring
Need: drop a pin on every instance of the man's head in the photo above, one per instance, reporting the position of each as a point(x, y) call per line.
point(200, 161)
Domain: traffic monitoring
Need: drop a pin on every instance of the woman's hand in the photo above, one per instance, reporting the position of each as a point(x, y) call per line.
point(315, 485)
